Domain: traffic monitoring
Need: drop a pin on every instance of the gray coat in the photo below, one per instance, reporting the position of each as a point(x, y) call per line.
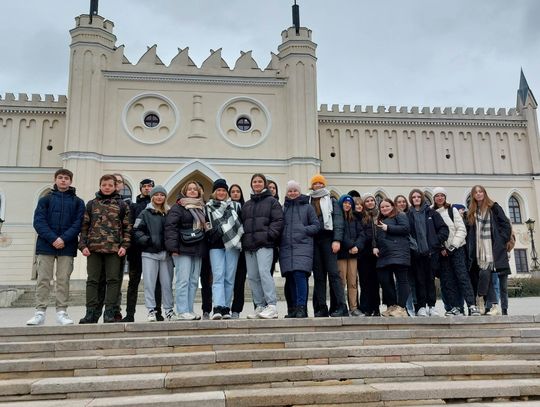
point(301, 224)
point(393, 244)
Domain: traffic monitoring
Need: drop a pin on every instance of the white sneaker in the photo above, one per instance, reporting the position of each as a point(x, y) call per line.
point(152, 316)
point(63, 318)
point(37, 319)
point(422, 312)
point(256, 314)
point(186, 316)
point(433, 312)
point(495, 310)
point(235, 315)
point(269, 312)
point(170, 315)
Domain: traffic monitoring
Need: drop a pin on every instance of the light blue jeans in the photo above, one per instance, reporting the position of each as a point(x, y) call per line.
point(223, 272)
point(187, 272)
point(261, 282)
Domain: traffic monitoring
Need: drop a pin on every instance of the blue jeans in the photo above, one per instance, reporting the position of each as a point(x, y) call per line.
point(261, 282)
point(297, 282)
point(187, 270)
point(223, 272)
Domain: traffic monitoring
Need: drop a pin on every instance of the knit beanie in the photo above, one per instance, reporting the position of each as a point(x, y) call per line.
point(367, 195)
point(292, 184)
point(220, 183)
point(317, 178)
point(156, 189)
point(439, 190)
point(345, 198)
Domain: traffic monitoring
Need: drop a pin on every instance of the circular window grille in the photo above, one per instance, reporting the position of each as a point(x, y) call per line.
point(151, 120)
point(243, 124)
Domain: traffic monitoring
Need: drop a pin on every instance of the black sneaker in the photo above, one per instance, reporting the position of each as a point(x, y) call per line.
point(159, 315)
point(128, 318)
point(340, 313)
point(455, 311)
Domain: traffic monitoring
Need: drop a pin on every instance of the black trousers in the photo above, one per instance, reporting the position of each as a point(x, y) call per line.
point(395, 291)
point(370, 298)
point(325, 268)
point(424, 279)
point(455, 282)
point(206, 283)
point(239, 284)
point(135, 272)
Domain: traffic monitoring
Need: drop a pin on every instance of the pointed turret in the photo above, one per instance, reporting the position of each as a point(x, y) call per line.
point(297, 62)
point(525, 96)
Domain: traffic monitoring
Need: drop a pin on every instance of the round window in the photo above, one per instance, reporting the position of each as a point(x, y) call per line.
point(243, 123)
point(151, 120)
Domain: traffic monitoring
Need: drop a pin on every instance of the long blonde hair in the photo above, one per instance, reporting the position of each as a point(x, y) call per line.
point(487, 203)
point(163, 208)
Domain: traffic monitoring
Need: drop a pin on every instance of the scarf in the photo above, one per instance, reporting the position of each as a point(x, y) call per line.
point(325, 202)
point(484, 249)
point(223, 215)
point(195, 206)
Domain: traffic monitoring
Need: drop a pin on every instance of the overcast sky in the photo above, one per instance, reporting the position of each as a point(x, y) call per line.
point(370, 52)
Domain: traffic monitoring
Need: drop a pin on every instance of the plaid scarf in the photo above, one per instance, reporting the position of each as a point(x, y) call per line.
point(484, 248)
point(223, 215)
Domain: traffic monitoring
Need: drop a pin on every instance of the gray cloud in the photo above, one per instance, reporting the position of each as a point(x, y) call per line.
point(392, 52)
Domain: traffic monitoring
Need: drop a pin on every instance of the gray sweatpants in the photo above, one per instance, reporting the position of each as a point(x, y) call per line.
point(156, 266)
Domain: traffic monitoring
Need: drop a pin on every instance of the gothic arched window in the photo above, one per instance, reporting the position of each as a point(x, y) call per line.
point(514, 210)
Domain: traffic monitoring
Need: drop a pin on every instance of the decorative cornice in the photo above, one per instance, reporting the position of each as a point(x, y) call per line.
point(426, 122)
point(192, 79)
point(33, 110)
point(366, 176)
point(253, 162)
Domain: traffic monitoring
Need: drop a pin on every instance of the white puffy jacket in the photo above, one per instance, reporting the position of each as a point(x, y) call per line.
point(457, 229)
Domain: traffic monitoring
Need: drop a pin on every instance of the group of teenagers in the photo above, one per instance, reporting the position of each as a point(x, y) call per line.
point(367, 252)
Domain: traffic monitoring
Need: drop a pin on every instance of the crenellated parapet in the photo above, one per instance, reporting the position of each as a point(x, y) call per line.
point(151, 67)
point(436, 116)
point(33, 104)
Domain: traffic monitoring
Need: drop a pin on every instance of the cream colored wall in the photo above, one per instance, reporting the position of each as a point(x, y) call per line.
point(101, 131)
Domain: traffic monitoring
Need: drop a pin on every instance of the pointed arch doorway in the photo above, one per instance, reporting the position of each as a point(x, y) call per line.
point(196, 170)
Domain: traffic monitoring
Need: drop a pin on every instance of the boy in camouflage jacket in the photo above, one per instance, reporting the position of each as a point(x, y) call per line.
point(105, 237)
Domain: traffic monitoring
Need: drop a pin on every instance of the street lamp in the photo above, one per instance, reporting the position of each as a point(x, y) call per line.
point(535, 265)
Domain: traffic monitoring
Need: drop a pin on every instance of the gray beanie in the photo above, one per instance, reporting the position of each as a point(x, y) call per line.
point(156, 189)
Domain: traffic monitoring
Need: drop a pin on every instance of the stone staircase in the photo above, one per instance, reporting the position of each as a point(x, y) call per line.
point(371, 362)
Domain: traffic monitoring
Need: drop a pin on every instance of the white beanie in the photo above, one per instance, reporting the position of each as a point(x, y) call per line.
point(439, 190)
point(292, 184)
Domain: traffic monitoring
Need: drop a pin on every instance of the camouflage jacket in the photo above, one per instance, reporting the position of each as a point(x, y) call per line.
point(106, 225)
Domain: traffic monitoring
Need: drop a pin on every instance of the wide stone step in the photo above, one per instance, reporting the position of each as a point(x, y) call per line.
point(204, 360)
point(119, 385)
point(210, 342)
point(296, 394)
point(427, 327)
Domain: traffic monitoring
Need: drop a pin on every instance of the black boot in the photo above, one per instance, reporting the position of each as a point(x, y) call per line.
point(159, 314)
point(91, 317)
point(108, 316)
point(301, 312)
point(291, 312)
point(505, 311)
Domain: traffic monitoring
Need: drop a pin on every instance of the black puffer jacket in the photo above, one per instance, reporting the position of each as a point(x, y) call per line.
point(353, 235)
point(262, 217)
point(393, 244)
point(149, 230)
point(177, 219)
point(500, 235)
point(135, 209)
point(436, 229)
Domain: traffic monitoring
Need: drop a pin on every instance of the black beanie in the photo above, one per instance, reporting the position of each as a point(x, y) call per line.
point(220, 183)
point(146, 181)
